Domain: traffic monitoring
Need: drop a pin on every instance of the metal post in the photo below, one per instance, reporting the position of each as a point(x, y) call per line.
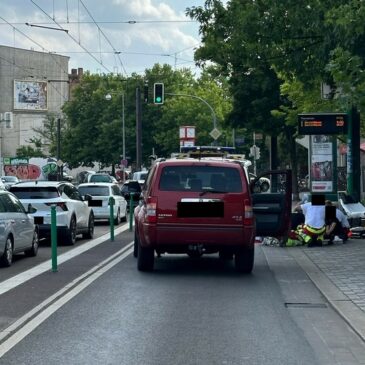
point(111, 218)
point(54, 238)
point(131, 211)
point(58, 148)
point(123, 136)
point(255, 153)
point(138, 130)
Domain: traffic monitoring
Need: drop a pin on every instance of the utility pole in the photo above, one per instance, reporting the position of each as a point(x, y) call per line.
point(59, 167)
point(138, 129)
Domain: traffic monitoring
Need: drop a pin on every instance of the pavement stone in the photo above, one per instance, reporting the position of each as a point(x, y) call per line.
point(338, 271)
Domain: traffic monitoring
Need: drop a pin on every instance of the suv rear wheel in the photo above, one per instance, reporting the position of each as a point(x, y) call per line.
point(244, 259)
point(90, 228)
point(71, 233)
point(146, 258)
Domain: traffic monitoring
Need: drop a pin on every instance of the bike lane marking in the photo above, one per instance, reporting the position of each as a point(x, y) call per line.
point(30, 321)
point(23, 277)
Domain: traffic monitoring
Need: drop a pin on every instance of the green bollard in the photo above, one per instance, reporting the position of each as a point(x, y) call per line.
point(111, 204)
point(131, 211)
point(54, 238)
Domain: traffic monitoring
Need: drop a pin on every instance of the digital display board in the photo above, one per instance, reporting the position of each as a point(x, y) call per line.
point(322, 123)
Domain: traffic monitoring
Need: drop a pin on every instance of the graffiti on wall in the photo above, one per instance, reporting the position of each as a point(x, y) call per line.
point(36, 169)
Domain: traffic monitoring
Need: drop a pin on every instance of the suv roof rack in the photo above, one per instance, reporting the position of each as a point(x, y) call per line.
point(208, 151)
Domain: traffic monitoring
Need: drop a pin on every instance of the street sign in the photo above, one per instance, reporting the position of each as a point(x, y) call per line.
point(123, 163)
point(215, 133)
point(322, 123)
point(59, 163)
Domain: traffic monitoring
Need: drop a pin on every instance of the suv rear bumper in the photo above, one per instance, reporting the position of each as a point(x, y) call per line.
point(45, 230)
point(208, 235)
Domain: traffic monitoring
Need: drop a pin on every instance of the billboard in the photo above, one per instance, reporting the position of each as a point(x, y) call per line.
point(30, 95)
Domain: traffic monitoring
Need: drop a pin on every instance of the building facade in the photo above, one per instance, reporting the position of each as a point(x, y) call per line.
point(32, 84)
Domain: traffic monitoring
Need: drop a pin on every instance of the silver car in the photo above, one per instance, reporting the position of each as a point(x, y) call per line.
point(17, 230)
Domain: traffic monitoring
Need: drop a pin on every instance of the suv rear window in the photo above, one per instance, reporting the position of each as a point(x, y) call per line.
point(39, 192)
point(94, 190)
point(200, 178)
point(132, 186)
point(100, 178)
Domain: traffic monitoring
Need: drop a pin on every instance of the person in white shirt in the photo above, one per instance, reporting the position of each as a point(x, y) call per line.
point(314, 226)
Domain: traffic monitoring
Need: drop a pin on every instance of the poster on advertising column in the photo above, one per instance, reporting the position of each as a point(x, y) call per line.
point(321, 164)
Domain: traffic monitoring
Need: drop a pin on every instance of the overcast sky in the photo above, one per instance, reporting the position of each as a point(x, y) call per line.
point(162, 33)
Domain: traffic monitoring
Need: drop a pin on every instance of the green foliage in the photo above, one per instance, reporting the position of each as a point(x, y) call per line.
point(30, 151)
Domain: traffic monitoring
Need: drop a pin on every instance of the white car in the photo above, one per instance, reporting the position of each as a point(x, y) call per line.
point(73, 214)
point(101, 194)
point(140, 176)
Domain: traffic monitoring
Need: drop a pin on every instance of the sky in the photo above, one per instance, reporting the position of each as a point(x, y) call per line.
point(104, 36)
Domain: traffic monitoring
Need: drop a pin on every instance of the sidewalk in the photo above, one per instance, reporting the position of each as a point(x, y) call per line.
point(338, 271)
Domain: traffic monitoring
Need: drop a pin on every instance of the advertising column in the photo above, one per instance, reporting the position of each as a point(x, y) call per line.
point(322, 164)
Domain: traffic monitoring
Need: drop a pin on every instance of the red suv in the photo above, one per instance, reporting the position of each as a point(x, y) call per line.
point(205, 206)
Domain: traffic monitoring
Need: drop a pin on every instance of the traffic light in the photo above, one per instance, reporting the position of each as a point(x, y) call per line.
point(145, 93)
point(257, 153)
point(158, 93)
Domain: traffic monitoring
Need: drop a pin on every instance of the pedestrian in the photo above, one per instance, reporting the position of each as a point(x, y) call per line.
point(314, 226)
point(337, 225)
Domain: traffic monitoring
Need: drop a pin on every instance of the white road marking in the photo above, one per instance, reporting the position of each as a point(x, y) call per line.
point(52, 304)
point(21, 278)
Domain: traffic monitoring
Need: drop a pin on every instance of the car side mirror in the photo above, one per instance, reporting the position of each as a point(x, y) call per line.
point(31, 209)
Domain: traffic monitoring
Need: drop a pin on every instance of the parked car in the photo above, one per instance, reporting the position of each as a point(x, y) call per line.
point(131, 186)
point(201, 206)
point(140, 176)
point(2, 185)
point(102, 178)
point(101, 194)
point(73, 214)
point(9, 181)
point(18, 233)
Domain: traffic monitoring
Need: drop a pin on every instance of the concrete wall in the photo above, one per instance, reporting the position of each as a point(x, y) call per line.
point(32, 66)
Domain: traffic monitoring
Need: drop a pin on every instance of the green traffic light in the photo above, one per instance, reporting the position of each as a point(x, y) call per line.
point(158, 99)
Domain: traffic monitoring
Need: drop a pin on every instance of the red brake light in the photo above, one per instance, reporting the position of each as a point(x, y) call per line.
point(151, 210)
point(61, 205)
point(248, 213)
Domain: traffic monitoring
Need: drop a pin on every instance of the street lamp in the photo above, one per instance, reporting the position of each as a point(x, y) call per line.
point(108, 97)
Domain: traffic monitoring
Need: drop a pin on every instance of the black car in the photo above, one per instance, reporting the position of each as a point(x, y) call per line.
point(131, 186)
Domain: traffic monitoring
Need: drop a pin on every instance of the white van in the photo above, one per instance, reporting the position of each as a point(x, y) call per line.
point(140, 176)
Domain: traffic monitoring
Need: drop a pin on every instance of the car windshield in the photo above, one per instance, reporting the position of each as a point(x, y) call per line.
point(35, 192)
point(100, 178)
point(200, 178)
point(94, 190)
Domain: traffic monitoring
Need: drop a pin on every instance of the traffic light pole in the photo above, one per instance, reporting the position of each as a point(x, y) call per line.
point(138, 129)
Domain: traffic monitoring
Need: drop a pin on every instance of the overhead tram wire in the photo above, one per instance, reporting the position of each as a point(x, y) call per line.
point(36, 43)
point(73, 38)
point(115, 22)
point(106, 38)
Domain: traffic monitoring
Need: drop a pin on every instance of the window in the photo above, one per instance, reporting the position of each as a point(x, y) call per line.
point(12, 205)
point(200, 178)
point(94, 190)
point(35, 192)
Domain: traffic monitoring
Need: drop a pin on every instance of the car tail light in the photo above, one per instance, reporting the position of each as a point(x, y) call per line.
point(61, 205)
point(151, 210)
point(248, 213)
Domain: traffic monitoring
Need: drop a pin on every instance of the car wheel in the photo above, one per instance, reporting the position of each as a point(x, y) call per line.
point(265, 186)
point(135, 246)
point(35, 244)
point(146, 258)
point(71, 233)
point(90, 228)
point(244, 259)
point(117, 218)
point(7, 257)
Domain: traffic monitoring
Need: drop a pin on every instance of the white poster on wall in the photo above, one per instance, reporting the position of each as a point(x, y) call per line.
point(30, 95)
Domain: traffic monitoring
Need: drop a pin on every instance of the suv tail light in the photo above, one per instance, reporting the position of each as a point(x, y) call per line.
point(151, 209)
point(61, 205)
point(248, 213)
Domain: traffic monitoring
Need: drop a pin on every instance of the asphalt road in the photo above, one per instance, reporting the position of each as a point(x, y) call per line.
point(190, 312)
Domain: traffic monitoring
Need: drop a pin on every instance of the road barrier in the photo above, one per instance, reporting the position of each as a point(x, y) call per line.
point(111, 216)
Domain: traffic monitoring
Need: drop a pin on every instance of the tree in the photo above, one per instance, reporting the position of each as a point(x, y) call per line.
point(29, 151)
